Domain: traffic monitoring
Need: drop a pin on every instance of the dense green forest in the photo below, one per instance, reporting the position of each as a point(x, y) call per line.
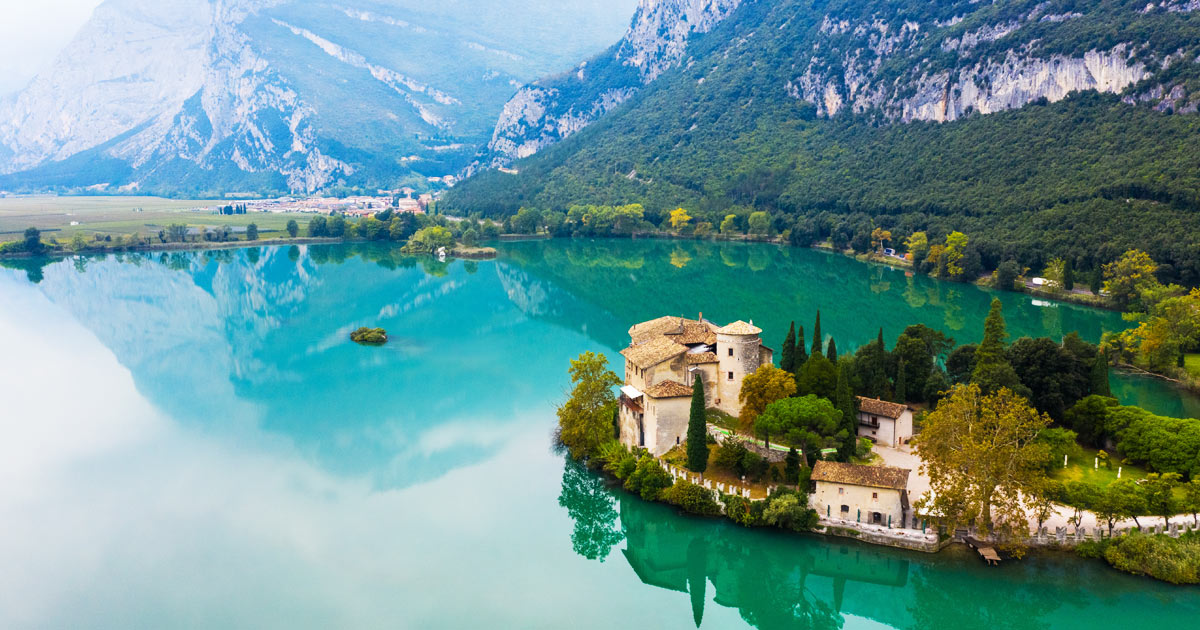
point(1085, 178)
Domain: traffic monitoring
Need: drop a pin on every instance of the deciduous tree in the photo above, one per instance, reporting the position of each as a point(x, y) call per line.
point(766, 385)
point(584, 420)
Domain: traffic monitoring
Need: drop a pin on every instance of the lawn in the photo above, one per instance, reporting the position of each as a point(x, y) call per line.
point(678, 456)
point(120, 216)
point(1082, 469)
point(1191, 363)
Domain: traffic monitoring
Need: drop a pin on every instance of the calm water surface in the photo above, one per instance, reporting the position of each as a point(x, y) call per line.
point(192, 441)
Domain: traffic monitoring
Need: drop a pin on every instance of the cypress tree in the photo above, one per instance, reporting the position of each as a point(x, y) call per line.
point(791, 466)
point(882, 346)
point(787, 360)
point(1099, 380)
point(697, 432)
point(844, 400)
point(1096, 281)
point(901, 384)
point(1068, 274)
point(831, 353)
point(992, 369)
point(817, 346)
point(800, 357)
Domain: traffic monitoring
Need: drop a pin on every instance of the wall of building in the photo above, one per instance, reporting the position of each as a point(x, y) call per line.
point(884, 435)
point(737, 355)
point(828, 501)
point(666, 423)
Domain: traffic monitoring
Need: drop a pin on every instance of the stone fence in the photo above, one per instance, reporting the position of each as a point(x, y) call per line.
point(916, 539)
point(770, 455)
point(1066, 537)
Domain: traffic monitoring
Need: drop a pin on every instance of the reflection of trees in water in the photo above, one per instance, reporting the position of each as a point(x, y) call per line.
point(766, 584)
point(592, 506)
point(956, 599)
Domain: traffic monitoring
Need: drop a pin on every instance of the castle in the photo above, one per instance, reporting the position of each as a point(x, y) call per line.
point(662, 361)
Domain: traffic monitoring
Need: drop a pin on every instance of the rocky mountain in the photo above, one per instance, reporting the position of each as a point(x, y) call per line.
point(897, 61)
point(549, 110)
point(191, 96)
point(1039, 127)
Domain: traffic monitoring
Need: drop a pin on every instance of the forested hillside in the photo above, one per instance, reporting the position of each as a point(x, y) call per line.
point(818, 112)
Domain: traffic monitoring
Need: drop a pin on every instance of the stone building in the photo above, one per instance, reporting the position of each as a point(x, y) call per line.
point(662, 361)
point(863, 494)
point(885, 423)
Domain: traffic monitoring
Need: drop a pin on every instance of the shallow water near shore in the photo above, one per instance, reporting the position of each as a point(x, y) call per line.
point(192, 440)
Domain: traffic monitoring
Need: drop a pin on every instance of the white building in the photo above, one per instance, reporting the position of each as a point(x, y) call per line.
point(864, 494)
point(885, 423)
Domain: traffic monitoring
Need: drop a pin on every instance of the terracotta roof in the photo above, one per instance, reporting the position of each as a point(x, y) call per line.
point(668, 389)
point(855, 475)
point(653, 352)
point(702, 357)
point(659, 326)
point(739, 328)
point(695, 333)
point(881, 407)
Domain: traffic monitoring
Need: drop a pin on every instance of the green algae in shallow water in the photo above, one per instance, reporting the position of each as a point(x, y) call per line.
point(416, 487)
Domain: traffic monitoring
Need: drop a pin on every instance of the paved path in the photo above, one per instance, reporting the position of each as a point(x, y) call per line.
point(918, 484)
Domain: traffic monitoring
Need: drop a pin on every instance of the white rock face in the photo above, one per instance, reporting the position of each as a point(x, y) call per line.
point(537, 116)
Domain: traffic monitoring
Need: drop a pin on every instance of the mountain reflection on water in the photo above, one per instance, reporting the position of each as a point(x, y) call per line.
point(186, 430)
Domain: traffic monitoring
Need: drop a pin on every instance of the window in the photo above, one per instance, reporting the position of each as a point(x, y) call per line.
point(731, 352)
point(845, 509)
point(841, 490)
point(731, 376)
point(874, 495)
point(676, 440)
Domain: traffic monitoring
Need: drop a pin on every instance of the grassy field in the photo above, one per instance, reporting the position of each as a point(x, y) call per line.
point(1081, 469)
point(1191, 363)
point(120, 216)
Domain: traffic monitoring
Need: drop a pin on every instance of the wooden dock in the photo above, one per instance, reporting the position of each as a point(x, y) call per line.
point(985, 550)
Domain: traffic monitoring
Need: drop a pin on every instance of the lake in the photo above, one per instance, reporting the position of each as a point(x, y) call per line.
point(191, 440)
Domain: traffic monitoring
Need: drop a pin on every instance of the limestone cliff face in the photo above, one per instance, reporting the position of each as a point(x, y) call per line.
point(552, 109)
point(892, 62)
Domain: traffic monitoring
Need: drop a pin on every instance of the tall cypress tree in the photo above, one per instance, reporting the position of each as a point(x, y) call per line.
point(882, 346)
point(845, 404)
point(801, 355)
point(787, 360)
point(818, 347)
point(901, 388)
point(992, 368)
point(1069, 274)
point(1099, 380)
point(831, 352)
point(697, 433)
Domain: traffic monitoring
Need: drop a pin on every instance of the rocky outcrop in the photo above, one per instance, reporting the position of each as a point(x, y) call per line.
point(550, 110)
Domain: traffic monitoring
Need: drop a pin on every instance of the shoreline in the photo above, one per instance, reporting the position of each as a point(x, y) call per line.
point(464, 253)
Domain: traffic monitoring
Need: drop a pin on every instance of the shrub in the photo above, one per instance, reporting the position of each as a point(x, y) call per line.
point(731, 455)
point(649, 479)
point(1169, 559)
point(692, 498)
point(785, 509)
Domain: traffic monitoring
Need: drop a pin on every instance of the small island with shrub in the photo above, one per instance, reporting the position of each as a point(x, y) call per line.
point(369, 336)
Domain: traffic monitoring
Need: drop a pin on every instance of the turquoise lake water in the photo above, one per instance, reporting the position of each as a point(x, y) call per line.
point(193, 441)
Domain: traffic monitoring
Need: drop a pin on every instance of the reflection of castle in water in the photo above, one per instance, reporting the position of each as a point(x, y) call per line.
point(774, 579)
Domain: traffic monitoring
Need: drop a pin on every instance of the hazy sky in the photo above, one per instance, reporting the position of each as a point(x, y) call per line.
point(32, 32)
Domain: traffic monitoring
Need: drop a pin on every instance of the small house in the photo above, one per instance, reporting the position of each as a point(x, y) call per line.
point(885, 423)
point(876, 495)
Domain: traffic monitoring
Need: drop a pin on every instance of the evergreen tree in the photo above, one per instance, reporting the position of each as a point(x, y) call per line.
point(817, 346)
point(831, 352)
point(1096, 280)
point(1069, 274)
point(800, 356)
point(901, 388)
point(844, 400)
point(992, 369)
point(697, 432)
point(787, 360)
point(882, 346)
point(1099, 381)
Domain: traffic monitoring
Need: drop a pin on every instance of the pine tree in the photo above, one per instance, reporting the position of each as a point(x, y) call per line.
point(800, 356)
point(697, 432)
point(901, 388)
point(787, 360)
point(844, 400)
point(831, 352)
point(818, 346)
point(992, 369)
point(1099, 384)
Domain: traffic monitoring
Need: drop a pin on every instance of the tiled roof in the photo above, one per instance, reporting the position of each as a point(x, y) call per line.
point(739, 328)
point(855, 475)
point(653, 352)
point(668, 389)
point(702, 357)
point(695, 333)
point(660, 326)
point(881, 407)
